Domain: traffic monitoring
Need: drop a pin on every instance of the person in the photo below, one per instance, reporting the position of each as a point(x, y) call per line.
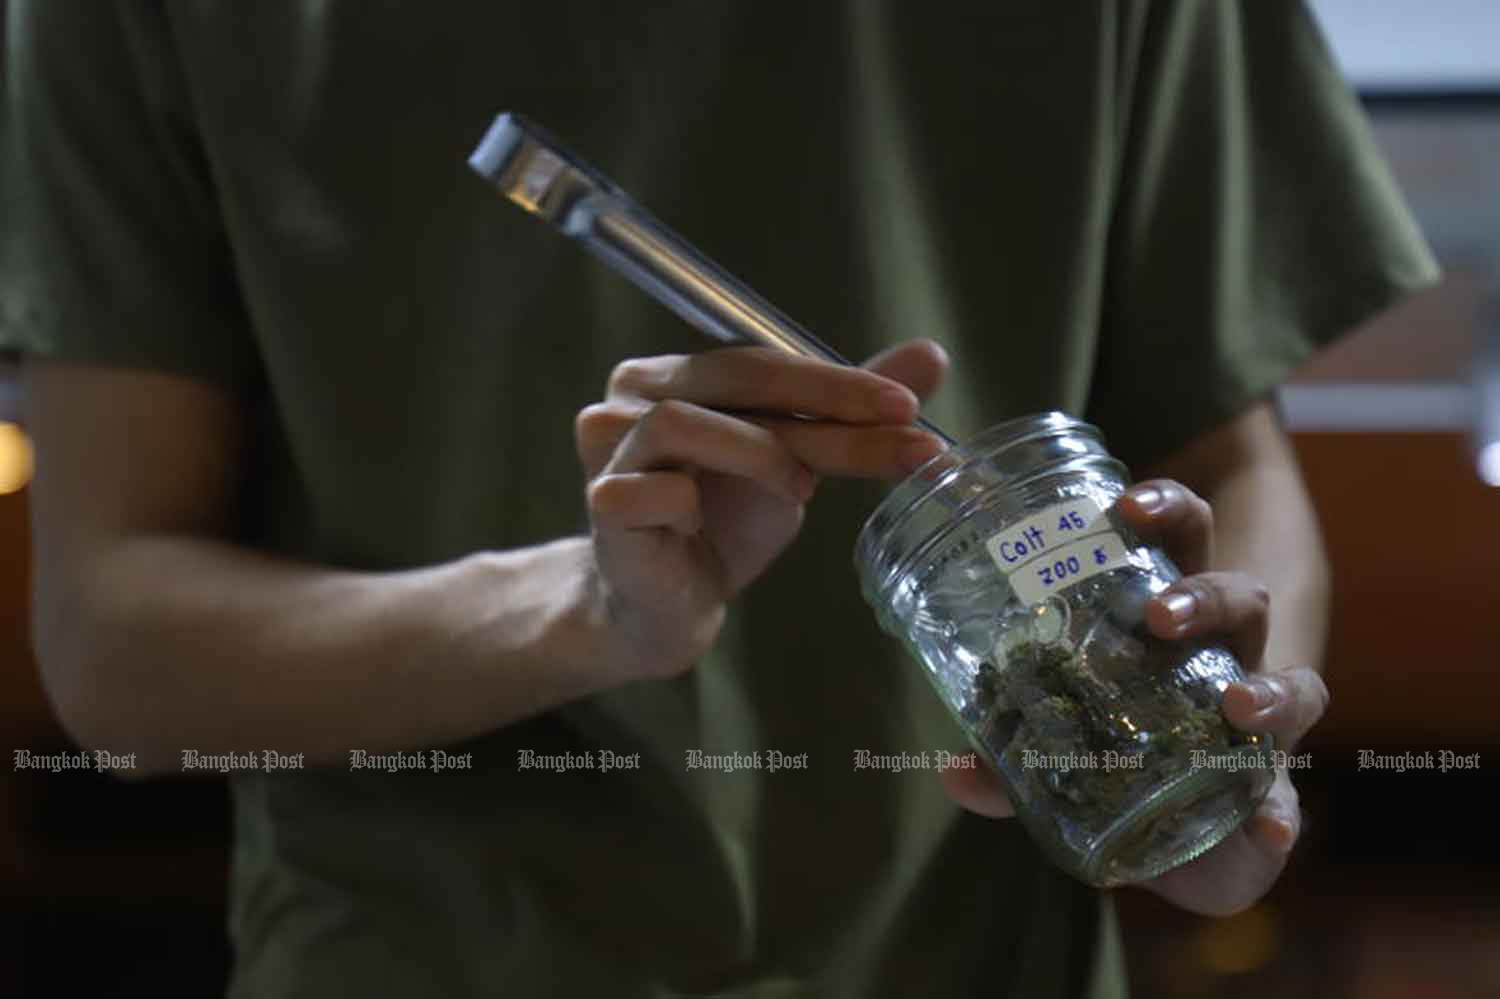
point(308, 399)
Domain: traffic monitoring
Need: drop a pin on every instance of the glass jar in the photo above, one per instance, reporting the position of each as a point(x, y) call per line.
point(1004, 569)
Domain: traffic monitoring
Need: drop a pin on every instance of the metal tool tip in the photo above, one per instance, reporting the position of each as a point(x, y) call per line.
point(498, 147)
point(531, 169)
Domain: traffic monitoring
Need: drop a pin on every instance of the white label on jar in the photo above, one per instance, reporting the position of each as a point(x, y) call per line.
point(1050, 551)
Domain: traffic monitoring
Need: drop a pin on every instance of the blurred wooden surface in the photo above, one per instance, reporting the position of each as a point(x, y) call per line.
point(25, 711)
point(1427, 337)
point(1414, 539)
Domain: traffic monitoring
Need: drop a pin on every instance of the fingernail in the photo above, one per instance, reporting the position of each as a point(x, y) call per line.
point(1262, 693)
point(896, 403)
point(1290, 823)
point(803, 484)
point(1148, 498)
point(917, 453)
point(1283, 834)
point(1180, 607)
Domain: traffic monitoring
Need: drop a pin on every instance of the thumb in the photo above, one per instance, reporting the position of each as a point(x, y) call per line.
point(973, 786)
point(920, 365)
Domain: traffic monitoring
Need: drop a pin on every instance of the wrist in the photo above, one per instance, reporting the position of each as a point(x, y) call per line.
point(627, 644)
point(539, 633)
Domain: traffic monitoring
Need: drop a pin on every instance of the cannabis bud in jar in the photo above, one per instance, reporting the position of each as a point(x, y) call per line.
point(1004, 571)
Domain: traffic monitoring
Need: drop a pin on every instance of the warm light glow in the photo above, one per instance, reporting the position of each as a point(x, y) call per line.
point(15, 459)
point(1489, 463)
point(1240, 943)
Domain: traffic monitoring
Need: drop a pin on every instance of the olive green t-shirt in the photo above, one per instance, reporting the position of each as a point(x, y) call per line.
point(1142, 212)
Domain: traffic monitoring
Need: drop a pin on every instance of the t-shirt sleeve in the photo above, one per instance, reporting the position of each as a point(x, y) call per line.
point(1254, 220)
point(112, 249)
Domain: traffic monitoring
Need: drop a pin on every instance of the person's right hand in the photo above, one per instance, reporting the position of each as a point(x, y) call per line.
point(698, 472)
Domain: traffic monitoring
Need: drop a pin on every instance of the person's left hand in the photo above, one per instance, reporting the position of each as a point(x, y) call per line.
point(1285, 702)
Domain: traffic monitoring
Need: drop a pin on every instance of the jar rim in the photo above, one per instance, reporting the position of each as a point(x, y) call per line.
point(990, 442)
point(935, 478)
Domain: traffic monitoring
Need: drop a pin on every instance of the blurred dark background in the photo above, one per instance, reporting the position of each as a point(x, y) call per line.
point(118, 889)
point(1394, 892)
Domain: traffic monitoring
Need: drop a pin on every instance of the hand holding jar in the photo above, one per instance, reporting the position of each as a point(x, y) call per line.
point(1234, 608)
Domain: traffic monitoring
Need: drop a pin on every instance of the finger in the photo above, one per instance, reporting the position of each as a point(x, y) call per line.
point(840, 449)
point(1277, 823)
point(759, 379)
point(1230, 604)
point(1228, 879)
point(598, 430)
point(630, 501)
point(1239, 871)
point(920, 365)
point(837, 449)
point(1284, 702)
point(976, 788)
point(1169, 514)
point(674, 434)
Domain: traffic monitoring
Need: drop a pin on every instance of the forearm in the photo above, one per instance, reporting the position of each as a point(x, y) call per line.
point(160, 644)
point(1267, 528)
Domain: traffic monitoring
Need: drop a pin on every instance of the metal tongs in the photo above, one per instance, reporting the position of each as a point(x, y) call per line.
point(542, 176)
